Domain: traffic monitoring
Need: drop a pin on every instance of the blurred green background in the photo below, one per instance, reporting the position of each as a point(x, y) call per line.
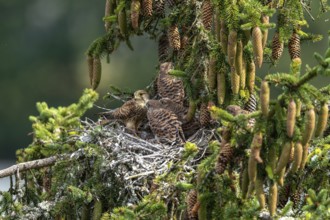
point(42, 58)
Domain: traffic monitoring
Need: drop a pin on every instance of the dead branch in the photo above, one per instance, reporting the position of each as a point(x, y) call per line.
point(35, 164)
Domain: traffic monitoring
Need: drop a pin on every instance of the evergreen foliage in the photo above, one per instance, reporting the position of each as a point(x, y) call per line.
point(241, 169)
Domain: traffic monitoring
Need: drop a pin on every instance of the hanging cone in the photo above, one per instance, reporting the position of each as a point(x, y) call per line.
point(264, 20)
point(147, 8)
point(207, 13)
point(211, 73)
point(109, 10)
point(257, 46)
point(277, 47)
point(191, 201)
point(135, 12)
point(159, 8)
point(294, 46)
point(232, 47)
point(97, 69)
point(90, 68)
point(174, 37)
point(291, 118)
point(225, 156)
point(251, 104)
point(221, 85)
point(205, 118)
point(122, 21)
point(284, 195)
point(223, 36)
point(163, 45)
point(251, 75)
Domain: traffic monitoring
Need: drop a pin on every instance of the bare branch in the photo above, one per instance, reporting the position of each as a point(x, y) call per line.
point(35, 164)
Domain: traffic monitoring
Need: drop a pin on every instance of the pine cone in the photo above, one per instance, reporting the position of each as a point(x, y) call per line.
point(264, 20)
point(97, 70)
point(251, 104)
point(135, 12)
point(257, 46)
point(295, 197)
point(174, 37)
point(232, 47)
point(223, 36)
point(284, 196)
point(294, 46)
point(205, 118)
point(90, 68)
point(163, 48)
point(147, 8)
point(159, 8)
point(207, 13)
point(170, 3)
point(277, 47)
point(191, 202)
point(225, 156)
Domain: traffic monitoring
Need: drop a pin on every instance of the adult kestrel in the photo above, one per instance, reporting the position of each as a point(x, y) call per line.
point(132, 112)
point(164, 124)
point(169, 86)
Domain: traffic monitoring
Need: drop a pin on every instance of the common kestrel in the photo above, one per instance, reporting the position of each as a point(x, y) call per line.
point(169, 86)
point(164, 124)
point(132, 112)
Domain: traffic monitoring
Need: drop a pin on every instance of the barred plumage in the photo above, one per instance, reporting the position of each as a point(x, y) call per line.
point(163, 45)
point(135, 12)
point(164, 124)
point(178, 109)
point(225, 156)
point(147, 8)
point(132, 112)
point(207, 13)
point(174, 37)
point(277, 47)
point(257, 46)
point(191, 201)
point(205, 118)
point(170, 86)
point(294, 46)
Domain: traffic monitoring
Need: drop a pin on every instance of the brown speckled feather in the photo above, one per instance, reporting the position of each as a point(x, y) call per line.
point(169, 86)
point(164, 124)
point(176, 108)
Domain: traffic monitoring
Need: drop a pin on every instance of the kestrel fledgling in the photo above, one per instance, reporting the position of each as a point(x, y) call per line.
point(176, 108)
point(169, 86)
point(164, 124)
point(189, 127)
point(132, 112)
